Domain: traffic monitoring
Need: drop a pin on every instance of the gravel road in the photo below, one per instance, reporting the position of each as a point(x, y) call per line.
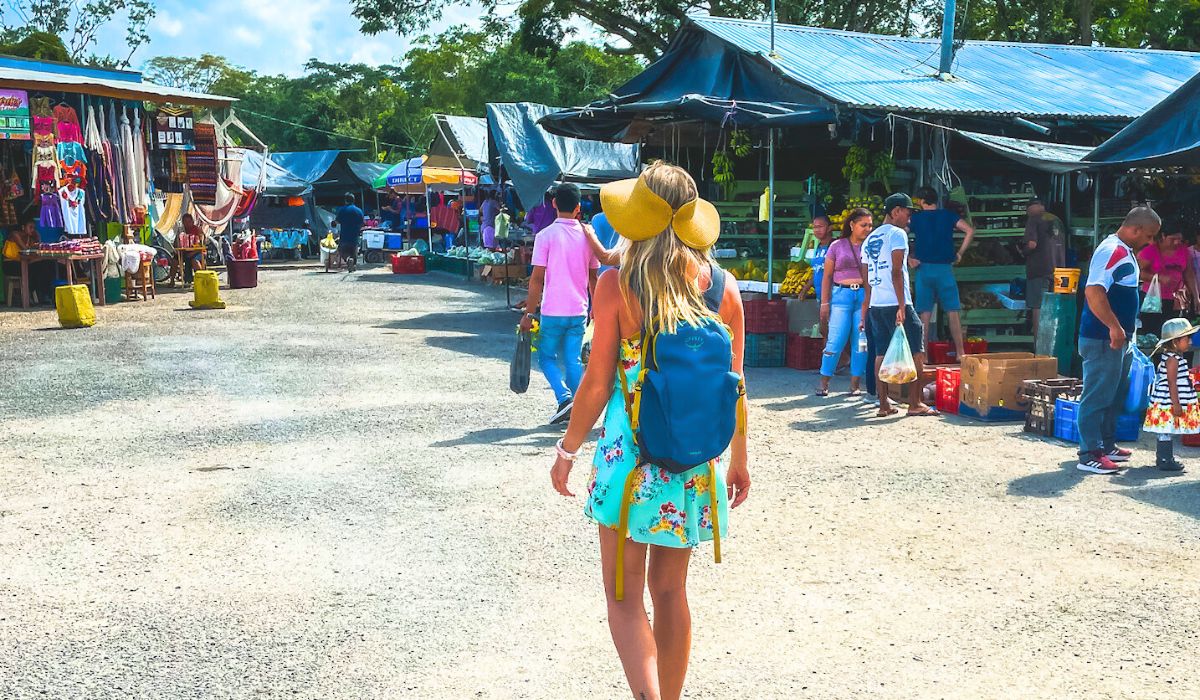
point(327, 491)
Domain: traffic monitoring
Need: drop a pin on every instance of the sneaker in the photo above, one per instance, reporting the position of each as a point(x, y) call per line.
point(1097, 463)
point(1172, 466)
point(563, 413)
point(1118, 454)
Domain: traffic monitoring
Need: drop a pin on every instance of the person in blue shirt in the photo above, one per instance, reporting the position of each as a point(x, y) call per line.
point(603, 239)
point(350, 224)
point(823, 232)
point(933, 258)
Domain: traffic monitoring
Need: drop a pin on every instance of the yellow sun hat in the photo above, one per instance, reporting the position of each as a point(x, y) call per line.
point(637, 213)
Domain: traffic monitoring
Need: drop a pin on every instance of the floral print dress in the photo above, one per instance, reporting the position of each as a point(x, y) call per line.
point(666, 509)
point(1159, 418)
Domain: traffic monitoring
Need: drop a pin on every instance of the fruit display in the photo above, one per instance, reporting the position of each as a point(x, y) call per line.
point(897, 373)
point(798, 276)
point(755, 270)
point(872, 203)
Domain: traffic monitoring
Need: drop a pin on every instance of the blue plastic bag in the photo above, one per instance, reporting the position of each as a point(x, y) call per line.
point(1141, 380)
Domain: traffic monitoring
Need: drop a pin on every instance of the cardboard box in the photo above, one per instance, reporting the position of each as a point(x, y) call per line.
point(498, 273)
point(803, 314)
point(991, 383)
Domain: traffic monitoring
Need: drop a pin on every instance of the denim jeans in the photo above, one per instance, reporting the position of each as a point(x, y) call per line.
point(560, 340)
point(845, 316)
point(1105, 383)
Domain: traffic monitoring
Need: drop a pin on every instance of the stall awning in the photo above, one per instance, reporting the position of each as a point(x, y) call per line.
point(368, 172)
point(533, 158)
point(49, 77)
point(1042, 155)
point(278, 181)
point(460, 142)
point(1168, 134)
point(414, 172)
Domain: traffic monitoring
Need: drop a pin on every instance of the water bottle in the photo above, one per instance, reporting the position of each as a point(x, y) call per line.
point(862, 341)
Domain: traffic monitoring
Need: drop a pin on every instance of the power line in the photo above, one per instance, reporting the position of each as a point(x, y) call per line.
point(324, 131)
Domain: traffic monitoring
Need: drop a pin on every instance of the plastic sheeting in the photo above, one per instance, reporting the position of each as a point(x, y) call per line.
point(1168, 134)
point(534, 159)
point(1050, 157)
point(368, 172)
point(460, 142)
point(278, 181)
point(309, 166)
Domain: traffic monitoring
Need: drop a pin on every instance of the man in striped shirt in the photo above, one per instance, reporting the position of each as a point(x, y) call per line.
point(1105, 333)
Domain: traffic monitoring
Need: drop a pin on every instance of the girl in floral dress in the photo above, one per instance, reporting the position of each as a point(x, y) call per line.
point(1174, 408)
point(666, 266)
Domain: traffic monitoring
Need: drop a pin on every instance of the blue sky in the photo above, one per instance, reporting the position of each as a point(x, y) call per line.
point(274, 37)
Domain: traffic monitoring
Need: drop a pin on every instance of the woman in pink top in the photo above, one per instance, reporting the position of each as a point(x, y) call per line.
point(1168, 258)
point(842, 301)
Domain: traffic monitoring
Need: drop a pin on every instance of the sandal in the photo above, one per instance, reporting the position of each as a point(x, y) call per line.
point(821, 392)
point(929, 411)
point(855, 393)
point(884, 414)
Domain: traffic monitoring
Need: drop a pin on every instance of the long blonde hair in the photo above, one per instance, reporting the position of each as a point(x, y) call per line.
point(656, 270)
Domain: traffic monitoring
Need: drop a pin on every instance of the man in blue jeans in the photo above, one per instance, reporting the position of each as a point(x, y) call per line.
point(563, 280)
point(1105, 339)
point(934, 258)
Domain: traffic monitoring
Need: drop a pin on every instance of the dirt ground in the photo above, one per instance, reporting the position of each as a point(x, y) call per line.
point(327, 490)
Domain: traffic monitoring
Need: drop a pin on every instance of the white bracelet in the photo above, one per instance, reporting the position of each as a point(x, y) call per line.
point(562, 451)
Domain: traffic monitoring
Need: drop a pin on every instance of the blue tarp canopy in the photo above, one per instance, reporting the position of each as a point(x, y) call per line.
point(1168, 134)
point(278, 182)
point(534, 159)
point(367, 172)
point(309, 166)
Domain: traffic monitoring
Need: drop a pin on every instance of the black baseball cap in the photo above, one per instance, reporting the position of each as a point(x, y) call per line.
point(897, 200)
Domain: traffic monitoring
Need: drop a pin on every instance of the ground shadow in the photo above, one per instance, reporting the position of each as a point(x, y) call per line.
point(1140, 476)
point(1051, 484)
point(1183, 497)
point(540, 436)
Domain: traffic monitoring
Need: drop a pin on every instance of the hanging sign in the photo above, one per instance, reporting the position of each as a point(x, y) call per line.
point(175, 130)
point(14, 115)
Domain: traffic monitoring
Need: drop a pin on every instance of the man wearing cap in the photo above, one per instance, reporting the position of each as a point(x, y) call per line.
point(1044, 236)
point(888, 301)
point(350, 223)
point(1111, 303)
point(563, 280)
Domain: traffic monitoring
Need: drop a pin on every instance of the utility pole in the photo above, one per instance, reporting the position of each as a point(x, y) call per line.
point(947, 41)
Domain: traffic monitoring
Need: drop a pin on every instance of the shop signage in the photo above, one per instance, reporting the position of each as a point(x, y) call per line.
point(14, 115)
point(175, 130)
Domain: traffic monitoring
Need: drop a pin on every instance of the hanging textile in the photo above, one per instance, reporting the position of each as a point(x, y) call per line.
point(67, 122)
point(98, 185)
point(71, 200)
point(143, 182)
point(202, 165)
point(112, 152)
point(171, 212)
point(129, 176)
point(91, 134)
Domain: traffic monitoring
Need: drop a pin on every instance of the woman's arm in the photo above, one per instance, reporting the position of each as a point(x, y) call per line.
point(609, 258)
point(596, 387)
point(737, 478)
point(826, 292)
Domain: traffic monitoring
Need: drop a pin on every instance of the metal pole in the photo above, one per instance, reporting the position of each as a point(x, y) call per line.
point(1096, 211)
point(771, 212)
point(772, 26)
point(947, 58)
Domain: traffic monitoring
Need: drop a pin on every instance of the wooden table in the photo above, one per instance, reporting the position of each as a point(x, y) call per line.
point(69, 261)
point(181, 256)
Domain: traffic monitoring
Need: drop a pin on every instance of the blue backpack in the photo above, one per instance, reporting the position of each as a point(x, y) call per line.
point(685, 406)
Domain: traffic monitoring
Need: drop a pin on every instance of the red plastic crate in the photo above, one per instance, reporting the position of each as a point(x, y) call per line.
point(978, 347)
point(940, 353)
point(804, 352)
point(408, 264)
point(766, 316)
point(949, 379)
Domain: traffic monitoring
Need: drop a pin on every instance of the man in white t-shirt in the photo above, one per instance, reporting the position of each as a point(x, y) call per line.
point(888, 302)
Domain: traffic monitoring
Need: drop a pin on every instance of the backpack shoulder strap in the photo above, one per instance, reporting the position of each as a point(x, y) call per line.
point(716, 290)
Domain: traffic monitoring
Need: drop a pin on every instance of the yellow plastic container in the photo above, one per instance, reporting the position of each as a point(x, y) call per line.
point(1066, 280)
point(74, 304)
point(207, 290)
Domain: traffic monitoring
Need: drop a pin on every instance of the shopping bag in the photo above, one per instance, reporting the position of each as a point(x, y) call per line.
point(1152, 304)
point(1141, 380)
point(522, 359)
point(898, 366)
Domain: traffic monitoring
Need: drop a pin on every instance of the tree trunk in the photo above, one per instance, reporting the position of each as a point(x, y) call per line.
point(1085, 22)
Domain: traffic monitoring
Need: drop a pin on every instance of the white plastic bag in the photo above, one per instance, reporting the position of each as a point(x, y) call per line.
point(898, 366)
point(1152, 304)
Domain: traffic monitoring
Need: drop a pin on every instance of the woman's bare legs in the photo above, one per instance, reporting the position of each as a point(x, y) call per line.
point(672, 618)
point(627, 619)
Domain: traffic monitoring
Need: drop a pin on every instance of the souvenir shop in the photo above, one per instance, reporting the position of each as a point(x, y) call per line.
point(93, 165)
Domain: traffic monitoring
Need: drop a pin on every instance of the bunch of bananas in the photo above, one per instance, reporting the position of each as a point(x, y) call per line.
point(798, 277)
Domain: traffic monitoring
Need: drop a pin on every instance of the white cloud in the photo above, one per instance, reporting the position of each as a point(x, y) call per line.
point(166, 24)
point(246, 35)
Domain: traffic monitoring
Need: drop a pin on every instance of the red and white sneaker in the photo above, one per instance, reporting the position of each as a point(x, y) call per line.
point(1097, 463)
point(1119, 454)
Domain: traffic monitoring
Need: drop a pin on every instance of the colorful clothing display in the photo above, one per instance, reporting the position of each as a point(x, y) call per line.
point(74, 217)
point(1159, 418)
point(202, 165)
point(667, 510)
point(51, 214)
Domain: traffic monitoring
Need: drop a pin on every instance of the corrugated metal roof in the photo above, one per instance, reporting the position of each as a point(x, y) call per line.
point(1028, 80)
point(122, 88)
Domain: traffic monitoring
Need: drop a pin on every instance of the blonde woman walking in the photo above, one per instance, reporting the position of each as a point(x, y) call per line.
point(668, 291)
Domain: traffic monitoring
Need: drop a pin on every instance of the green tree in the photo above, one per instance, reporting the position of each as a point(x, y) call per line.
point(79, 23)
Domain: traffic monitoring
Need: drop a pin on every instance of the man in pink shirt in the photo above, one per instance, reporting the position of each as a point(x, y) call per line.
point(564, 277)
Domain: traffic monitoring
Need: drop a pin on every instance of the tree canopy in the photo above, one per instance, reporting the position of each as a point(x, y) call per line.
point(78, 23)
point(339, 105)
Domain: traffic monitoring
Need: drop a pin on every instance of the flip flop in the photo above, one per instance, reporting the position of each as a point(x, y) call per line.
point(884, 414)
point(855, 393)
point(929, 411)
